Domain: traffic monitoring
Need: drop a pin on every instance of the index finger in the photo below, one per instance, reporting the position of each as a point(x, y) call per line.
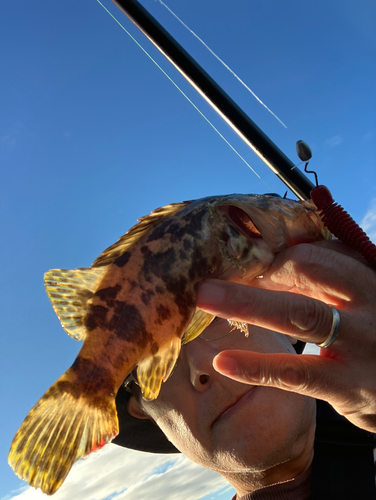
point(304, 318)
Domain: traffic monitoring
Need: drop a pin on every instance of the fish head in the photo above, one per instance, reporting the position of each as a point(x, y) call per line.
point(252, 229)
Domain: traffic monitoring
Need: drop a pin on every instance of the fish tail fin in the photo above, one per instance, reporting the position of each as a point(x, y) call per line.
point(62, 427)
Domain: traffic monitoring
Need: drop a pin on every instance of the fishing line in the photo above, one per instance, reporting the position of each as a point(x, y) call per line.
point(185, 95)
point(223, 63)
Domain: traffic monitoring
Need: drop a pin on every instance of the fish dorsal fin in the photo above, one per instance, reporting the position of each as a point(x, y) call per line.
point(70, 293)
point(200, 321)
point(155, 369)
point(136, 232)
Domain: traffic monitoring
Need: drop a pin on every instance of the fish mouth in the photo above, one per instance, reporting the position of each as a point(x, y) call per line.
point(241, 219)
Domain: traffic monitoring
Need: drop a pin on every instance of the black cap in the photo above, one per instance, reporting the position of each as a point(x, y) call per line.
point(139, 434)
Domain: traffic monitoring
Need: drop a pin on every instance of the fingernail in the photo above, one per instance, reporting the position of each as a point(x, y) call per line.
point(210, 294)
point(225, 364)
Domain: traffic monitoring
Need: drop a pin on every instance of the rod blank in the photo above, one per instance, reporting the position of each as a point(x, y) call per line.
point(251, 134)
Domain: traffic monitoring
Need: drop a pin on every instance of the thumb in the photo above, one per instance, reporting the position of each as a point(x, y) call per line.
point(310, 375)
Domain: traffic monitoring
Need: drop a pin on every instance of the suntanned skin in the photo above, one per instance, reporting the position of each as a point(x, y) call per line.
point(265, 438)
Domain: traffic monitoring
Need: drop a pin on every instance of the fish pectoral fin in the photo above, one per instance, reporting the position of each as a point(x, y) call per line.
point(70, 293)
point(200, 321)
point(60, 429)
point(155, 369)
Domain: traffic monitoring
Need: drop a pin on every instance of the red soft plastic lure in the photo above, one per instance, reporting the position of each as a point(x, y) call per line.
point(336, 219)
point(342, 225)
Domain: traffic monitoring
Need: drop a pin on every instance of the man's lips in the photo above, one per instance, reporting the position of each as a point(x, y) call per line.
point(236, 405)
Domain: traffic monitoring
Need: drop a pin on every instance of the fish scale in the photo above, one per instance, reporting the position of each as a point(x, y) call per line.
point(133, 306)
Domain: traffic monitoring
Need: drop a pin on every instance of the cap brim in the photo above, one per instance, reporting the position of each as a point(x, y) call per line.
point(139, 434)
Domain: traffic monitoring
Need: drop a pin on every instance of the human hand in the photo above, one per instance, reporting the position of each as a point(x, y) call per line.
point(292, 298)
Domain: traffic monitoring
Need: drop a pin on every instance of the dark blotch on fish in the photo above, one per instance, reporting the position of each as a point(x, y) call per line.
point(108, 294)
point(96, 317)
point(159, 264)
point(146, 296)
point(122, 260)
point(187, 244)
point(129, 326)
point(159, 231)
point(163, 312)
point(190, 225)
point(90, 372)
point(184, 299)
point(200, 266)
point(183, 255)
point(132, 284)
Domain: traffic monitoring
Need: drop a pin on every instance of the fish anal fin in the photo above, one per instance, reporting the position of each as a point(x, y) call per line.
point(200, 321)
point(155, 369)
point(59, 430)
point(145, 224)
point(70, 293)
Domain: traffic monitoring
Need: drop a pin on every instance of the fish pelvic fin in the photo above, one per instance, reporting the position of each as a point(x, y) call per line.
point(155, 369)
point(200, 321)
point(145, 224)
point(70, 293)
point(61, 428)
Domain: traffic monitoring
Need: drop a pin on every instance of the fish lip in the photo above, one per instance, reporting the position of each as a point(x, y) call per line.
point(234, 403)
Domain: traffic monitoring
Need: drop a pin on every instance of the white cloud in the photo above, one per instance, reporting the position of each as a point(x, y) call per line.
point(184, 480)
point(119, 474)
point(334, 141)
point(368, 223)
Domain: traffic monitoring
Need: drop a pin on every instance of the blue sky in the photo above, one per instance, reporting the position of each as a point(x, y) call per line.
point(93, 136)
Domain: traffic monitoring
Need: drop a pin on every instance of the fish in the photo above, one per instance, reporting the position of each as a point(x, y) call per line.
point(132, 307)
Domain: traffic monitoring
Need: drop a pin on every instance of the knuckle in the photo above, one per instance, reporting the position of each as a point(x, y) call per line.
point(295, 376)
point(300, 378)
point(309, 254)
point(307, 316)
point(305, 252)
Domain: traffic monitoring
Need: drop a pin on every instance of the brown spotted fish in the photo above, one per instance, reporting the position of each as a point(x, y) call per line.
point(132, 307)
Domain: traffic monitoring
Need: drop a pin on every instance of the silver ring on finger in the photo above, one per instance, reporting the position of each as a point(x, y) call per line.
point(333, 331)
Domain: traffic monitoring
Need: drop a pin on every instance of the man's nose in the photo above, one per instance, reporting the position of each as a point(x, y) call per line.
point(199, 357)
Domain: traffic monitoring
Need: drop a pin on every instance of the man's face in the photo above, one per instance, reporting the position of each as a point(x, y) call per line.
point(225, 425)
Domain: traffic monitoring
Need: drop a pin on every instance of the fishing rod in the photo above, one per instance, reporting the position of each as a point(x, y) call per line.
point(338, 221)
point(218, 99)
